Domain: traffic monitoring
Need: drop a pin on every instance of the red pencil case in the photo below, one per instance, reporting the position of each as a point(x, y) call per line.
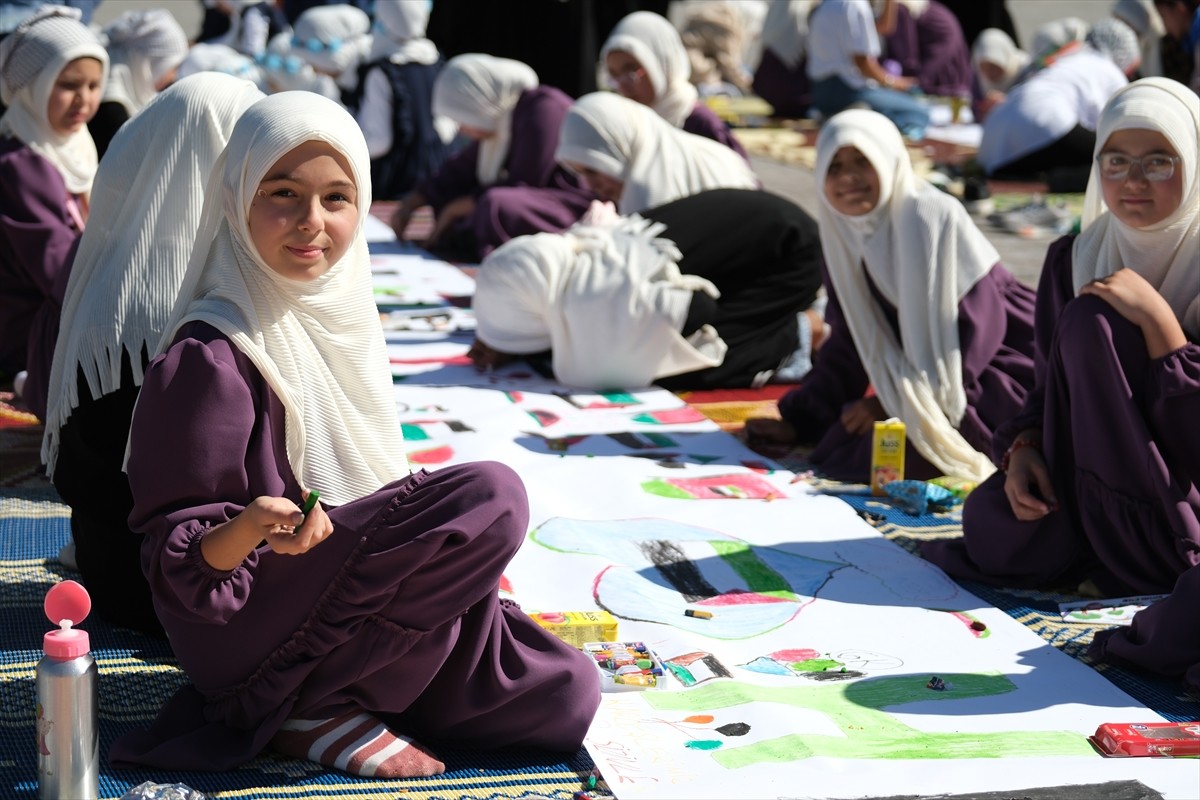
point(1122, 739)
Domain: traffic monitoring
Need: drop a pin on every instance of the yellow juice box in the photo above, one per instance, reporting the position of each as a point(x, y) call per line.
point(887, 454)
point(576, 628)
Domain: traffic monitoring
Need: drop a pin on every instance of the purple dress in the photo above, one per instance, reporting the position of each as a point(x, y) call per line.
point(932, 49)
point(38, 236)
point(703, 121)
point(1122, 444)
point(534, 194)
point(396, 613)
point(787, 89)
point(995, 332)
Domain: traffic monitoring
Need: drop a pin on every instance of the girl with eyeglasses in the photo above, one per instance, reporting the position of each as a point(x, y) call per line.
point(1100, 486)
point(645, 60)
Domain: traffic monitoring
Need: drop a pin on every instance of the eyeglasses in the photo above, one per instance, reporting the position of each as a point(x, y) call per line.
point(628, 76)
point(1117, 166)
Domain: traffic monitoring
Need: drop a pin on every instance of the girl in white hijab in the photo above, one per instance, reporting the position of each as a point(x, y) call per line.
point(632, 157)
point(506, 182)
point(146, 48)
point(781, 77)
point(645, 60)
point(124, 281)
point(406, 142)
point(335, 40)
point(919, 309)
point(1102, 483)
point(320, 632)
point(52, 73)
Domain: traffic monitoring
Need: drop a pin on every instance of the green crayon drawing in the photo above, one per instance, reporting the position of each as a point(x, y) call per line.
point(869, 732)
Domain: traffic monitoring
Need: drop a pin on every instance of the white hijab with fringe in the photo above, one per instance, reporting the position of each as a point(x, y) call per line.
point(480, 91)
point(656, 161)
point(31, 58)
point(924, 254)
point(655, 43)
point(1167, 253)
point(147, 198)
point(608, 300)
point(319, 344)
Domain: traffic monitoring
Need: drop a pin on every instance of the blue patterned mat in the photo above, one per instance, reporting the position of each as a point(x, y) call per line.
point(138, 673)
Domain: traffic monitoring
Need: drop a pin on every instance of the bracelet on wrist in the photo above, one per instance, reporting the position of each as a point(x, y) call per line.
point(1018, 443)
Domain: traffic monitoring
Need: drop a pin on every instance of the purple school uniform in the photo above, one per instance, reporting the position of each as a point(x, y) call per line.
point(932, 49)
point(396, 613)
point(703, 121)
point(534, 194)
point(1123, 448)
point(995, 331)
point(37, 241)
point(787, 89)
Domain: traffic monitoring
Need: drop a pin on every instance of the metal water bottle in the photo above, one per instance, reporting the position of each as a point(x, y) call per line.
point(68, 741)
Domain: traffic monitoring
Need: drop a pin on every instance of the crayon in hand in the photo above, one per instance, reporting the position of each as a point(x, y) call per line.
point(310, 502)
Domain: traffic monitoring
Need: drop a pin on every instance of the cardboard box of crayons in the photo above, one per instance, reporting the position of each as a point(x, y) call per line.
point(577, 627)
point(626, 666)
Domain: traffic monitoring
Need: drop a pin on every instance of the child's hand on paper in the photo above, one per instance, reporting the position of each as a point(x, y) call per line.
point(486, 358)
point(767, 431)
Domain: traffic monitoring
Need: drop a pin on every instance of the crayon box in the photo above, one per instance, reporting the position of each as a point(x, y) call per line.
point(578, 627)
point(626, 666)
point(887, 454)
point(1148, 739)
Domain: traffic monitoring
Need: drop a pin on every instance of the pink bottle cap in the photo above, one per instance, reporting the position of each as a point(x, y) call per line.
point(67, 604)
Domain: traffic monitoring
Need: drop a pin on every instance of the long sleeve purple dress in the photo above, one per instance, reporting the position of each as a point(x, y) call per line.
point(932, 49)
point(787, 89)
point(995, 331)
point(396, 613)
point(534, 194)
point(1121, 440)
point(703, 121)
point(38, 235)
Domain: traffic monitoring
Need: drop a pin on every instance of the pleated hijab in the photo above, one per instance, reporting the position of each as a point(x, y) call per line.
point(319, 344)
point(923, 253)
point(31, 58)
point(656, 161)
point(1167, 253)
point(132, 257)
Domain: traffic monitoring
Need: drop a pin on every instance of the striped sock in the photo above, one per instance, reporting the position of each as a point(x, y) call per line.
point(356, 743)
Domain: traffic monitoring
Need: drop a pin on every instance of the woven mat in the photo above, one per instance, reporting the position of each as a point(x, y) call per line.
point(138, 673)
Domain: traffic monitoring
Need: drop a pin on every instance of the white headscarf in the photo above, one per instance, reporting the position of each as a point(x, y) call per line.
point(400, 32)
point(221, 58)
point(334, 39)
point(653, 41)
point(997, 47)
point(318, 344)
point(1147, 23)
point(657, 162)
point(924, 254)
point(144, 47)
point(1057, 33)
point(1167, 253)
point(130, 263)
point(480, 91)
point(785, 30)
point(31, 58)
point(557, 291)
point(1115, 39)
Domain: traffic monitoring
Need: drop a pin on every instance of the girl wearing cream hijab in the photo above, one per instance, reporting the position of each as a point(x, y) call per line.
point(336, 632)
point(632, 157)
point(52, 73)
point(645, 60)
point(506, 182)
point(124, 279)
point(1103, 478)
point(920, 311)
